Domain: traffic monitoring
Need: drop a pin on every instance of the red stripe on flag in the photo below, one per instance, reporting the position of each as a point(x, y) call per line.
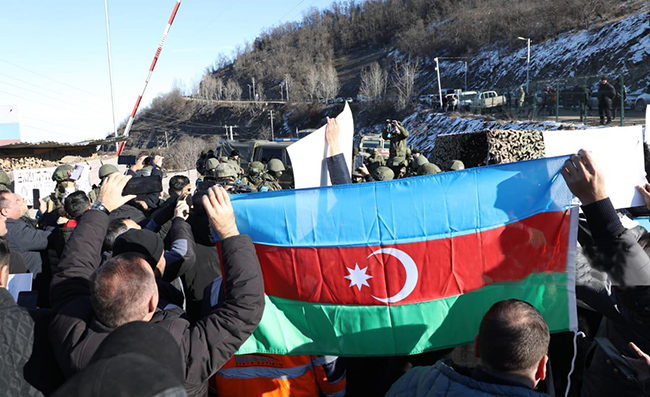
point(445, 267)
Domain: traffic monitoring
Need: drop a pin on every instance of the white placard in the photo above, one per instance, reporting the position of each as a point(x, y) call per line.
point(25, 181)
point(18, 283)
point(618, 152)
point(308, 155)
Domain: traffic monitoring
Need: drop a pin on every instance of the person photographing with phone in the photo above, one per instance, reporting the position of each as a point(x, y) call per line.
point(397, 134)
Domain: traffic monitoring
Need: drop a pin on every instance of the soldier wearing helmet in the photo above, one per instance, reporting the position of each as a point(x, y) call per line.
point(456, 165)
point(399, 165)
point(383, 174)
point(428, 169)
point(417, 163)
point(104, 171)
point(226, 175)
point(254, 178)
point(274, 170)
point(5, 182)
point(64, 186)
point(375, 160)
point(208, 172)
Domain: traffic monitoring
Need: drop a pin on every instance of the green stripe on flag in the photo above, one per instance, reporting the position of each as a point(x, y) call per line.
point(293, 327)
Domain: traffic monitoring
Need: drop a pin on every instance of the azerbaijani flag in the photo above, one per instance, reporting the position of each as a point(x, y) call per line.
point(412, 265)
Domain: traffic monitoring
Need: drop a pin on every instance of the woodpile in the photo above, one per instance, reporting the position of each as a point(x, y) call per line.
point(25, 163)
point(488, 147)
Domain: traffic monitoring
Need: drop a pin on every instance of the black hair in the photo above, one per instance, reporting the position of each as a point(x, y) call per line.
point(76, 204)
point(513, 337)
point(178, 182)
point(120, 290)
point(115, 228)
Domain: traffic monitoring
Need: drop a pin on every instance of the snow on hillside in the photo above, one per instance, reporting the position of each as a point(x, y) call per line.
point(619, 47)
point(425, 127)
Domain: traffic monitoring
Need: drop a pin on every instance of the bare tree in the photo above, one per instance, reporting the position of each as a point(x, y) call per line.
point(183, 153)
point(404, 75)
point(329, 83)
point(219, 88)
point(312, 79)
point(259, 88)
point(373, 82)
point(233, 91)
point(207, 86)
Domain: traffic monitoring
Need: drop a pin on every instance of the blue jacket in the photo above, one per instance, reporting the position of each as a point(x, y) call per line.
point(442, 379)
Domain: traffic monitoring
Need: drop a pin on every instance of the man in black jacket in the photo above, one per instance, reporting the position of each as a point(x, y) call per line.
point(22, 234)
point(616, 252)
point(90, 301)
point(606, 95)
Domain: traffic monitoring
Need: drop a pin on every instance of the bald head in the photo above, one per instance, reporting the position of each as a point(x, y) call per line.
point(122, 290)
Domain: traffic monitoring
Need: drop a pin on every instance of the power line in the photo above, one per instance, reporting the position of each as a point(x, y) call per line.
point(50, 131)
point(48, 105)
point(37, 86)
point(45, 95)
point(55, 124)
point(48, 78)
point(291, 10)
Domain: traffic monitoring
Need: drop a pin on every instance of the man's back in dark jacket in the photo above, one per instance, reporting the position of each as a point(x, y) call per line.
point(206, 345)
point(29, 241)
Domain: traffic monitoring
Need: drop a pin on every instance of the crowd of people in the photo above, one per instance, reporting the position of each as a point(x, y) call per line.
point(132, 295)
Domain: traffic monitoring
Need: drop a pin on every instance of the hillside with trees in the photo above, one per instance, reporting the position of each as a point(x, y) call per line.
point(382, 50)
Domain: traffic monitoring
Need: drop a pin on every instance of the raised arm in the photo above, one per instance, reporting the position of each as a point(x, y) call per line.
point(82, 254)
point(616, 251)
point(216, 338)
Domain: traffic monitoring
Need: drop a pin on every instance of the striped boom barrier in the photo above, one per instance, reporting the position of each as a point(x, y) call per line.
point(146, 81)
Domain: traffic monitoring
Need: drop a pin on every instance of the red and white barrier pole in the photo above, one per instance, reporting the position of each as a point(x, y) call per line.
point(146, 81)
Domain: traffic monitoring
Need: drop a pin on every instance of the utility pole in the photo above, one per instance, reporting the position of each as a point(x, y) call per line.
point(465, 75)
point(286, 85)
point(166, 140)
point(439, 85)
point(254, 94)
point(281, 92)
point(250, 96)
point(527, 63)
point(271, 117)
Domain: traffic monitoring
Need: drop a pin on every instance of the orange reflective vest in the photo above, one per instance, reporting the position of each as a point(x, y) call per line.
point(273, 375)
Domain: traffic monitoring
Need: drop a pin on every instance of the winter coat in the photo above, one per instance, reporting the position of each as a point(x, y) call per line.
point(606, 93)
point(75, 332)
point(338, 170)
point(16, 342)
point(625, 302)
point(445, 379)
point(397, 138)
point(29, 241)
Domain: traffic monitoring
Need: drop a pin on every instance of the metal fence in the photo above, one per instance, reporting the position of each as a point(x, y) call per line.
point(573, 100)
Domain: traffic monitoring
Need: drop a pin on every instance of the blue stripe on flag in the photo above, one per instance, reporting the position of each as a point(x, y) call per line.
point(405, 210)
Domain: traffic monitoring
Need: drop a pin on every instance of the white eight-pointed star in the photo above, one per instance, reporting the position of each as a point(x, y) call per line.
point(358, 277)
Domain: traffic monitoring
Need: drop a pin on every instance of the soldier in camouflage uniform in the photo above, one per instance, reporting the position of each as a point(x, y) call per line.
point(397, 135)
point(375, 160)
point(208, 172)
point(254, 178)
point(5, 182)
point(271, 178)
point(64, 185)
point(399, 167)
point(104, 171)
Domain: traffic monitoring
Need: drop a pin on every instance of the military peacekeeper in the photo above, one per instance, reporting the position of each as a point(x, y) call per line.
point(271, 178)
point(397, 135)
point(254, 177)
point(104, 171)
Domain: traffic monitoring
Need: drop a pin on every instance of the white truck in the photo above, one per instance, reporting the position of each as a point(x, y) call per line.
point(489, 99)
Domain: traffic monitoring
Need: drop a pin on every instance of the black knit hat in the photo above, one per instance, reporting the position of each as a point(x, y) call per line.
point(144, 242)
